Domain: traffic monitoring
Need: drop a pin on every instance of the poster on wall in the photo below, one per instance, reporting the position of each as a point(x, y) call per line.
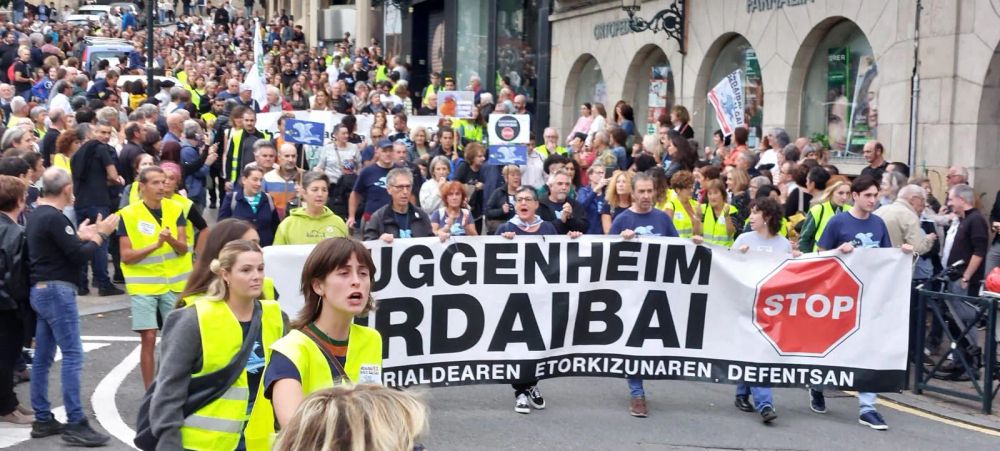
point(838, 79)
point(753, 95)
point(659, 102)
point(864, 108)
point(601, 93)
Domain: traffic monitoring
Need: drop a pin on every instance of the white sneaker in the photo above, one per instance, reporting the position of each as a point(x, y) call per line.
point(521, 404)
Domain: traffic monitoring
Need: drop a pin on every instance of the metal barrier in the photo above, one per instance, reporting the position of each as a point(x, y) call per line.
point(983, 382)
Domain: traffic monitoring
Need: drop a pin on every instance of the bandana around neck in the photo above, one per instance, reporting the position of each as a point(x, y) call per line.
point(516, 220)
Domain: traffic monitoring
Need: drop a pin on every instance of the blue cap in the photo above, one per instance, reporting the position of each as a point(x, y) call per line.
point(384, 144)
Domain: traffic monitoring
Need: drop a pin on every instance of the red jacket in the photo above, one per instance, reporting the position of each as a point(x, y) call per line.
point(285, 106)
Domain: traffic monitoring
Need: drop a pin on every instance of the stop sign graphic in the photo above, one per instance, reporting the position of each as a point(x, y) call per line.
point(808, 307)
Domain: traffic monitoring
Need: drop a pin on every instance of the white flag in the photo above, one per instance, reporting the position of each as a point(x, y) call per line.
point(727, 98)
point(255, 76)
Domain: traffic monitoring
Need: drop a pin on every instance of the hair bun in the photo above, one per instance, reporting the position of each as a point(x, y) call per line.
point(215, 266)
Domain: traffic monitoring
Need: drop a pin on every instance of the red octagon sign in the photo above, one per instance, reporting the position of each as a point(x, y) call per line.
point(808, 307)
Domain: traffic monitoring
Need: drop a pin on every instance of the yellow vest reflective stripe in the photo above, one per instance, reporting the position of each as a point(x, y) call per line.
point(220, 424)
point(713, 230)
point(157, 272)
point(821, 215)
point(236, 138)
point(364, 348)
point(544, 151)
point(682, 221)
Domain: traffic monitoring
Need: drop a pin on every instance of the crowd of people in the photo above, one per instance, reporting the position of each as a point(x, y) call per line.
point(97, 174)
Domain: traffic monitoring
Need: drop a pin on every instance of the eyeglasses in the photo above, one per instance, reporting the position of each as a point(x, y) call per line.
point(524, 199)
point(403, 187)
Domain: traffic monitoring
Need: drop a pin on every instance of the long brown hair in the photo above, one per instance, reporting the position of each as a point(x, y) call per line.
point(201, 276)
point(326, 257)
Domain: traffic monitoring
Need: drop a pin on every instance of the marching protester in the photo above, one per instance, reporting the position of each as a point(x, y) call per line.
point(500, 206)
point(371, 184)
point(314, 221)
point(452, 219)
point(368, 417)
point(229, 331)
point(399, 219)
point(56, 253)
point(14, 303)
point(857, 228)
point(638, 220)
point(325, 346)
point(558, 208)
point(152, 235)
point(210, 245)
point(252, 204)
point(765, 222)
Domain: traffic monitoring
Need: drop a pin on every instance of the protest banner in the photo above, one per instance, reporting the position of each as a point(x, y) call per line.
point(479, 310)
point(458, 104)
point(305, 132)
point(269, 122)
point(509, 136)
point(727, 99)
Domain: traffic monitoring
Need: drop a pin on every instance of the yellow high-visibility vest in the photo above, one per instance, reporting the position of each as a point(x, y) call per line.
point(682, 221)
point(713, 230)
point(159, 272)
point(219, 424)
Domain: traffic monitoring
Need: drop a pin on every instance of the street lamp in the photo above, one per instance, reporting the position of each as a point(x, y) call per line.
point(670, 20)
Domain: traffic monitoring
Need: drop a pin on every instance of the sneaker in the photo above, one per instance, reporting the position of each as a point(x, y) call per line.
point(637, 407)
point(25, 410)
point(119, 279)
point(767, 414)
point(873, 420)
point(83, 291)
point(83, 435)
point(16, 417)
point(535, 398)
point(110, 291)
point(743, 403)
point(521, 404)
point(817, 402)
point(41, 429)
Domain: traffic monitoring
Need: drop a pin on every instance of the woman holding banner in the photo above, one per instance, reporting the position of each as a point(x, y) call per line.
point(325, 347)
point(527, 222)
point(765, 222)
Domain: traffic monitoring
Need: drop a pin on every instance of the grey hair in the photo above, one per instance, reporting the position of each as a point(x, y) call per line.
point(910, 191)
point(17, 103)
point(191, 129)
point(148, 110)
point(312, 176)
point(782, 136)
point(54, 181)
point(640, 177)
point(11, 135)
point(396, 172)
point(552, 176)
point(964, 192)
point(760, 181)
point(961, 170)
point(37, 111)
point(261, 144)
point(439, 160)
point(106, 115)
point(56, 115)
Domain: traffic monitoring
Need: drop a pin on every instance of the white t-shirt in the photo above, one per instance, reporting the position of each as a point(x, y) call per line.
point(775, 245)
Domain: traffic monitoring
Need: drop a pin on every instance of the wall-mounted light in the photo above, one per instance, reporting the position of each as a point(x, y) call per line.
point(670, 20)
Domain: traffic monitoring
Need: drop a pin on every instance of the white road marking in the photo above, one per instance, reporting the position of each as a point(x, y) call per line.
point(134, 338)
point(103, 399)
point(87, 347)
point(11, 435)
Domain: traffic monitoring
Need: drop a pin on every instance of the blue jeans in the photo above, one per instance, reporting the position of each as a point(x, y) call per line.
point(866, 400)
point(100, 260)
point(762, 396)
point(58, 325)
point(635, 387)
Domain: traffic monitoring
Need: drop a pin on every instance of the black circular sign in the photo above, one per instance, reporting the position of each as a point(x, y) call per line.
point(507, 128)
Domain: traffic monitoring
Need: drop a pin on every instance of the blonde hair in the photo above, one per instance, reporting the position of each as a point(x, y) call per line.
point(831, 186)
point(218, 288)
point(359, 418)
point(611, 195)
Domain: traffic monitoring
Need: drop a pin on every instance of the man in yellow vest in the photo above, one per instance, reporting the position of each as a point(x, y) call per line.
point(551, 144)
point(152, 239)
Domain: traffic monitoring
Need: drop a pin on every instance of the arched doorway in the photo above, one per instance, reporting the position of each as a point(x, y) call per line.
point(585, 84)
point(839, 89)
point(734, 53)
point(650, 83)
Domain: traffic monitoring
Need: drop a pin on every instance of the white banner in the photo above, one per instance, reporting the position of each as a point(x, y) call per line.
point(269, 122)
point(727, 99)
point(255, 76)
point(491, 310)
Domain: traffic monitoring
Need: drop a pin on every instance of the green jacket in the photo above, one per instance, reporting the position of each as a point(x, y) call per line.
point(300, 228)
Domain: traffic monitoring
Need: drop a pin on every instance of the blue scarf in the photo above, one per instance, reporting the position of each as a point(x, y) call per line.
point(516, 220)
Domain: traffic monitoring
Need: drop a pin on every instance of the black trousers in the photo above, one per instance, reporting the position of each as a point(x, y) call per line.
point(524, 386)
point(11, 339)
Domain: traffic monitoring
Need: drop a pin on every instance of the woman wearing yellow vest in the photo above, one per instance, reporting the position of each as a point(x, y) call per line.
point(325, 347)
point(717, 225)
point(833, 201)
point(208, 249)
point(682, 207)
point(130, 193)
point(201, 341)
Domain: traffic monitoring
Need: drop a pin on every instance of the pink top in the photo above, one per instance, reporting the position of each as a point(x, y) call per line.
point(582, 126)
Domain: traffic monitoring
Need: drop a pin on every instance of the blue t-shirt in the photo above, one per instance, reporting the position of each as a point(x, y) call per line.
point(845, 228)
point(545, 229)
point(614, 211)
point(654, 223)
point(372, 183)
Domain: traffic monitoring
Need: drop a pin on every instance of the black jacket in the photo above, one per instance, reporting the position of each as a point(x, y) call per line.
point(494, 206)
point(384, 221)
point(577, 222)
point(13, 265)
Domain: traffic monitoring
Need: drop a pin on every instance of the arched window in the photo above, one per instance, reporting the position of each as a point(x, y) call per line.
point(738, 54)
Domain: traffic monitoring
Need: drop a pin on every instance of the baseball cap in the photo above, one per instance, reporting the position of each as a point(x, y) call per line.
point(384, 144)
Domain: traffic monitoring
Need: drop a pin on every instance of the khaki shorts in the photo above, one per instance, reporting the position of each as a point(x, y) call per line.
point(145, 307)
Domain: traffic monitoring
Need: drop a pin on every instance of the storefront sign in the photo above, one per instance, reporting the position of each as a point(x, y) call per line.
point(768, 5)
point(612, 29)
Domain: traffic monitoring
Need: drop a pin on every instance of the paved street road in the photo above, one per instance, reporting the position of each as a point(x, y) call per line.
point(583, 413)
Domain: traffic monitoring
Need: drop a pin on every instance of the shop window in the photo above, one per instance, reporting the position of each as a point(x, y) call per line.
point(517, 33)
point(738, 54)
point(840, 98)
point(473, 43)
point(590, 86)
point(651, 69)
